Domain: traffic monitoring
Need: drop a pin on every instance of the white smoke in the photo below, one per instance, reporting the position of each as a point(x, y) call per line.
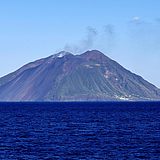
point(85, 44)
point(109, 35)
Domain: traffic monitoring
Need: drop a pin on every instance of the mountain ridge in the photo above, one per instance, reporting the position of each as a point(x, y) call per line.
point(90, 76)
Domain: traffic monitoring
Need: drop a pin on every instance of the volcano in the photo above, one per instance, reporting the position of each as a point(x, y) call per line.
point(90, 76)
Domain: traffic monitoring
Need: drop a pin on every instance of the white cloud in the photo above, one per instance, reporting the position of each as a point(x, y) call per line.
point(136, 18)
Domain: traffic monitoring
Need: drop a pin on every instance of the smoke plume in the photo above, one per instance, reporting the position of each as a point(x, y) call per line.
point(109, 33)
point(85, 44)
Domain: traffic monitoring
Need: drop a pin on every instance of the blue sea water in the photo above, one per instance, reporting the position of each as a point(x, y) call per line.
point(80, 131)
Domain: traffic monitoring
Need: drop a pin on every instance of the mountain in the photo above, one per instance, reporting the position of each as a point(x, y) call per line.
point(68, 77)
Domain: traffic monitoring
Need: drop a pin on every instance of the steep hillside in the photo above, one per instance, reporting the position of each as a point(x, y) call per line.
point(67, 77)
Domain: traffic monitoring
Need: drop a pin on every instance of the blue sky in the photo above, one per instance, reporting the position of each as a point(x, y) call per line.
point(128, 31)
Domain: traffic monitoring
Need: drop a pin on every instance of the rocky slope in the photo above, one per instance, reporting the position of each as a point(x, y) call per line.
point(67, 77)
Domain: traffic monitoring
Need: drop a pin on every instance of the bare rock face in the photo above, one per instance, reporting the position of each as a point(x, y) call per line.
point(91, 76)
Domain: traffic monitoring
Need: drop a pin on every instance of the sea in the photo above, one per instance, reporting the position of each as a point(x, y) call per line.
point(80, 131)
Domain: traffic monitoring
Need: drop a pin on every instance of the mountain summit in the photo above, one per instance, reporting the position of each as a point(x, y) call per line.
point(67, 77)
